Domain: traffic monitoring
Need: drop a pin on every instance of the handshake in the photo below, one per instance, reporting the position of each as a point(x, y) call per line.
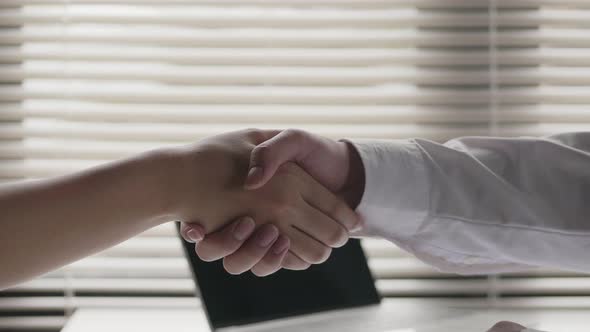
point(264, 199)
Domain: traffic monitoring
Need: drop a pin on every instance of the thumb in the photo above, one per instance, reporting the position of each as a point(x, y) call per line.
point(267, 157)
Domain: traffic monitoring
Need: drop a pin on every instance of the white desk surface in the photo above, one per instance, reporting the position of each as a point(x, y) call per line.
point(391, 316)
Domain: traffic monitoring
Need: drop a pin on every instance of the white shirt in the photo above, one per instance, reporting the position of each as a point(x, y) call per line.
point(480, 204)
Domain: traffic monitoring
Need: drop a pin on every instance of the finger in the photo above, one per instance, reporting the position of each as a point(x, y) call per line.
point(292, 262)
point(265, 158)
point(273, 259)
point(307, 248)
point(322, 199)
point(252, 251)
point(323, 228)
point(192, 232)
point(226, 241)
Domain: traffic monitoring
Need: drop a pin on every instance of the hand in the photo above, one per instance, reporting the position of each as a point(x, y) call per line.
point(262, 260)
point(213, 171)
point(334, 164)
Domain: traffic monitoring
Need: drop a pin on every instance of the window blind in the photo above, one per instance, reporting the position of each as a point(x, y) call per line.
point(83, 82)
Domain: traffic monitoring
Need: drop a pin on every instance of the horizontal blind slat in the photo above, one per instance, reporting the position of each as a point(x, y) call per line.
point(96, 53)
point(313, 38)
point(112, 286)
point(380, 95)
point(32, 323)
point(53, 303)
point(206, 17)
point(297, 18)
point(453, 4)
point(85, 112)
point(293, 114)
point(318, 38)
point(178, 133)
point(296, 76)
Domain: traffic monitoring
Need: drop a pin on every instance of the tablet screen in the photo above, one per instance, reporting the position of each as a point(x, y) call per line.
point(343, 281)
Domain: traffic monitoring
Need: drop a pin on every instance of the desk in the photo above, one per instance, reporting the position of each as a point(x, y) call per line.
point(391, 316)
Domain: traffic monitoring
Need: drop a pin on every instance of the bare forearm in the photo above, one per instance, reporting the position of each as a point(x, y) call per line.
point(48, 223)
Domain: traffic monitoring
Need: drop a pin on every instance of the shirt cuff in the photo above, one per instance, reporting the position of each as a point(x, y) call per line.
point(395, 200)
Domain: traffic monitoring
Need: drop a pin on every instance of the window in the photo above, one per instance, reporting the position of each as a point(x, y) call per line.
point(84, 81)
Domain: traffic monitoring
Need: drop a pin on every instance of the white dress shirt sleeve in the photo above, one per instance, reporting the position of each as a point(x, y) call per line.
point(480, 204)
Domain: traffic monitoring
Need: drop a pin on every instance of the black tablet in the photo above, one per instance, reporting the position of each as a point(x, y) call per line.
point(344, 281)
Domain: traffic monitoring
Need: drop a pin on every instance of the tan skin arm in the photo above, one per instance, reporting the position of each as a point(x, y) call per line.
point(49, 223)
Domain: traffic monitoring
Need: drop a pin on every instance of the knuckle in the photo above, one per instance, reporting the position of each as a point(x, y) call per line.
point(293, 263)
point(231, 267)
point(320, 255)
point(296, 266)
point(260, 271)
point(254, 133)
point(337, 238)
point(204, 255)
point(295, 134)
point(289, 261)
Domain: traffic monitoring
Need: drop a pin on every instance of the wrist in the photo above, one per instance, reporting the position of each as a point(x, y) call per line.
point(165, 170)
point(355, 180)
point(192, 187)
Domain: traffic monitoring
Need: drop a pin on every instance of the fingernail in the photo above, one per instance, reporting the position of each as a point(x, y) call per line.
point(267, 236)
point(243, 229)
point(194, 235)
point(283, 243)
point(254, 176)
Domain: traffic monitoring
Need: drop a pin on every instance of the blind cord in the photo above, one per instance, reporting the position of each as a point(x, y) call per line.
point(493, 120)
point(69, 291)
point(493, 67)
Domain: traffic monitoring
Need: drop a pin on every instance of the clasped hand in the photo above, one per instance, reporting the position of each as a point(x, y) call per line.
point(283, 216)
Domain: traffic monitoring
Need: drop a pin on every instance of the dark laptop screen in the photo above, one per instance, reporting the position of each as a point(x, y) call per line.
point(343, 281)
